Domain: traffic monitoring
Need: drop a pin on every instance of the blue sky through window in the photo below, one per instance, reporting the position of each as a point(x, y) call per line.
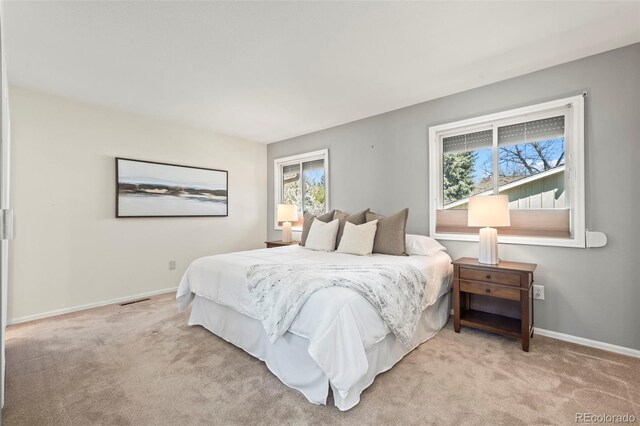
point(314, 176)
point(553, 151)
point(483, 165)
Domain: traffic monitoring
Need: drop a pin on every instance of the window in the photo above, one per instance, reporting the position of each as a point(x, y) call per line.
point(302, 180)
point(535, 155)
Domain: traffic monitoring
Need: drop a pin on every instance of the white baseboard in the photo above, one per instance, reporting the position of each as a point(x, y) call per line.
point(88, 306)
point(588, 342)
point(585, 342)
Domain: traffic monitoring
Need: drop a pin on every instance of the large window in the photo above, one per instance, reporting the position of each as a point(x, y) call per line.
point(534, 155)
point(302, 180)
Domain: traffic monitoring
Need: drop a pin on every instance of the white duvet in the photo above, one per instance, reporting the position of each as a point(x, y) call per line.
point(339, 323)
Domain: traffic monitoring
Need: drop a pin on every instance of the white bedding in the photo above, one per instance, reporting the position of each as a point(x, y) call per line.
point(339, 323)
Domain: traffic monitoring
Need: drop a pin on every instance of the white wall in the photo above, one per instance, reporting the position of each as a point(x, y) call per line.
point(70, 250)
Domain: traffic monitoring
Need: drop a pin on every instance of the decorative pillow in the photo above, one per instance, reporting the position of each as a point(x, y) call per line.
point(358, 239)
point(322, 236)
point(308, 220)
point(423, 245)
point(356, 219)
point(390, 235)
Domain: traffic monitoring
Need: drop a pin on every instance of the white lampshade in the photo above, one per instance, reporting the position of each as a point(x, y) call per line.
point(287, 213)
point(489, 210)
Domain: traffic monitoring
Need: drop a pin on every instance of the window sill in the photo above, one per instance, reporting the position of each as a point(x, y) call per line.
point(531, 241)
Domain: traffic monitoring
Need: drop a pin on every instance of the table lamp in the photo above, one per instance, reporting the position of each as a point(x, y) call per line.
point(488, 211)
point(287, 213)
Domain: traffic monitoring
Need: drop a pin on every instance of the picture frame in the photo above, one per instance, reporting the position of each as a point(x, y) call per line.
point(148, 189)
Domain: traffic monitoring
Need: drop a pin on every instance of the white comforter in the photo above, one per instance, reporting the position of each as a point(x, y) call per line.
point(339, 323)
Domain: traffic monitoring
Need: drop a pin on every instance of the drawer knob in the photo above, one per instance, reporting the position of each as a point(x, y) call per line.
point(488, 276)
point(488, 290)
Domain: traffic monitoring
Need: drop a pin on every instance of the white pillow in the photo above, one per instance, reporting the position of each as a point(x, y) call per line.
point(423, 245)
point(322, 236)
point(358, 239)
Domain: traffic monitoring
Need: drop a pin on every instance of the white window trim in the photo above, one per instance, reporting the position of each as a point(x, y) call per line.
point(278, 163)
point(575, 167)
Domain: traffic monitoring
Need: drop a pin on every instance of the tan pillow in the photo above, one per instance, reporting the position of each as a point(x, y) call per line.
point(308, 220)
point(391, 233)
point(356, 219)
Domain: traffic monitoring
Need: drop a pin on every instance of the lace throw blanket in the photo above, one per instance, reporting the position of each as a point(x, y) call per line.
point(280, 291)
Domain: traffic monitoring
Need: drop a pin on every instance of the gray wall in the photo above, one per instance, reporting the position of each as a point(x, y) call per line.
point(381, 162)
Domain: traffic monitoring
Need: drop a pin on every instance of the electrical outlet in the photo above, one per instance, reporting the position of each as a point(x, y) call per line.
point(538, 292)
point(172, 265)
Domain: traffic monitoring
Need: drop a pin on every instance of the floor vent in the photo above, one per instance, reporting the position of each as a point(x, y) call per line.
point(135, 301)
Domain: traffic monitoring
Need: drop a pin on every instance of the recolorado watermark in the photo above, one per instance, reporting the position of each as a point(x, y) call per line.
point(605, 418)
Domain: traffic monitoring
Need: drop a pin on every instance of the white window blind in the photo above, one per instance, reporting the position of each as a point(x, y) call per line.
point(467, 142)
point(532, 131)
point(291, 171)
point(313, 166)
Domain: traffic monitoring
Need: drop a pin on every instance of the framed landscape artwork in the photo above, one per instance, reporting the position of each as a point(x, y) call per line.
point(148, 189)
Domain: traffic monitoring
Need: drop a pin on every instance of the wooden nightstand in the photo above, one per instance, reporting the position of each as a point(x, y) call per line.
point(272, 244)
point(496, 298)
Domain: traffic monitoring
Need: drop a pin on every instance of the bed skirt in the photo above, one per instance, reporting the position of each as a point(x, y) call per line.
point(289, 359)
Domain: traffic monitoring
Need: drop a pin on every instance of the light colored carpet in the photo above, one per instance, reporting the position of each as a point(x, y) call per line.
point(142, 365)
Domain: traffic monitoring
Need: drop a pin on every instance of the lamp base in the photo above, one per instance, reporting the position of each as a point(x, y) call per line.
point(286, 232)
point(488, 246)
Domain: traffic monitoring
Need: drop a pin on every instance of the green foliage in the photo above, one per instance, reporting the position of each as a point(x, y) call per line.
point(314, 196)
point(458, 176)
point(291, 192)
point(314, 193)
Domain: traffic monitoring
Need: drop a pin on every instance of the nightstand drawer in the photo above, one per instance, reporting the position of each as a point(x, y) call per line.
point(490, 290)
point(490, 276)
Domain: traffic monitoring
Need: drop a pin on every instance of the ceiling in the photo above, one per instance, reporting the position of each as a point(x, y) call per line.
point(268, 71)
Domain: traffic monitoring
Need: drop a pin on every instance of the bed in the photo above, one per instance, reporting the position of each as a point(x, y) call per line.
point(338, 339)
